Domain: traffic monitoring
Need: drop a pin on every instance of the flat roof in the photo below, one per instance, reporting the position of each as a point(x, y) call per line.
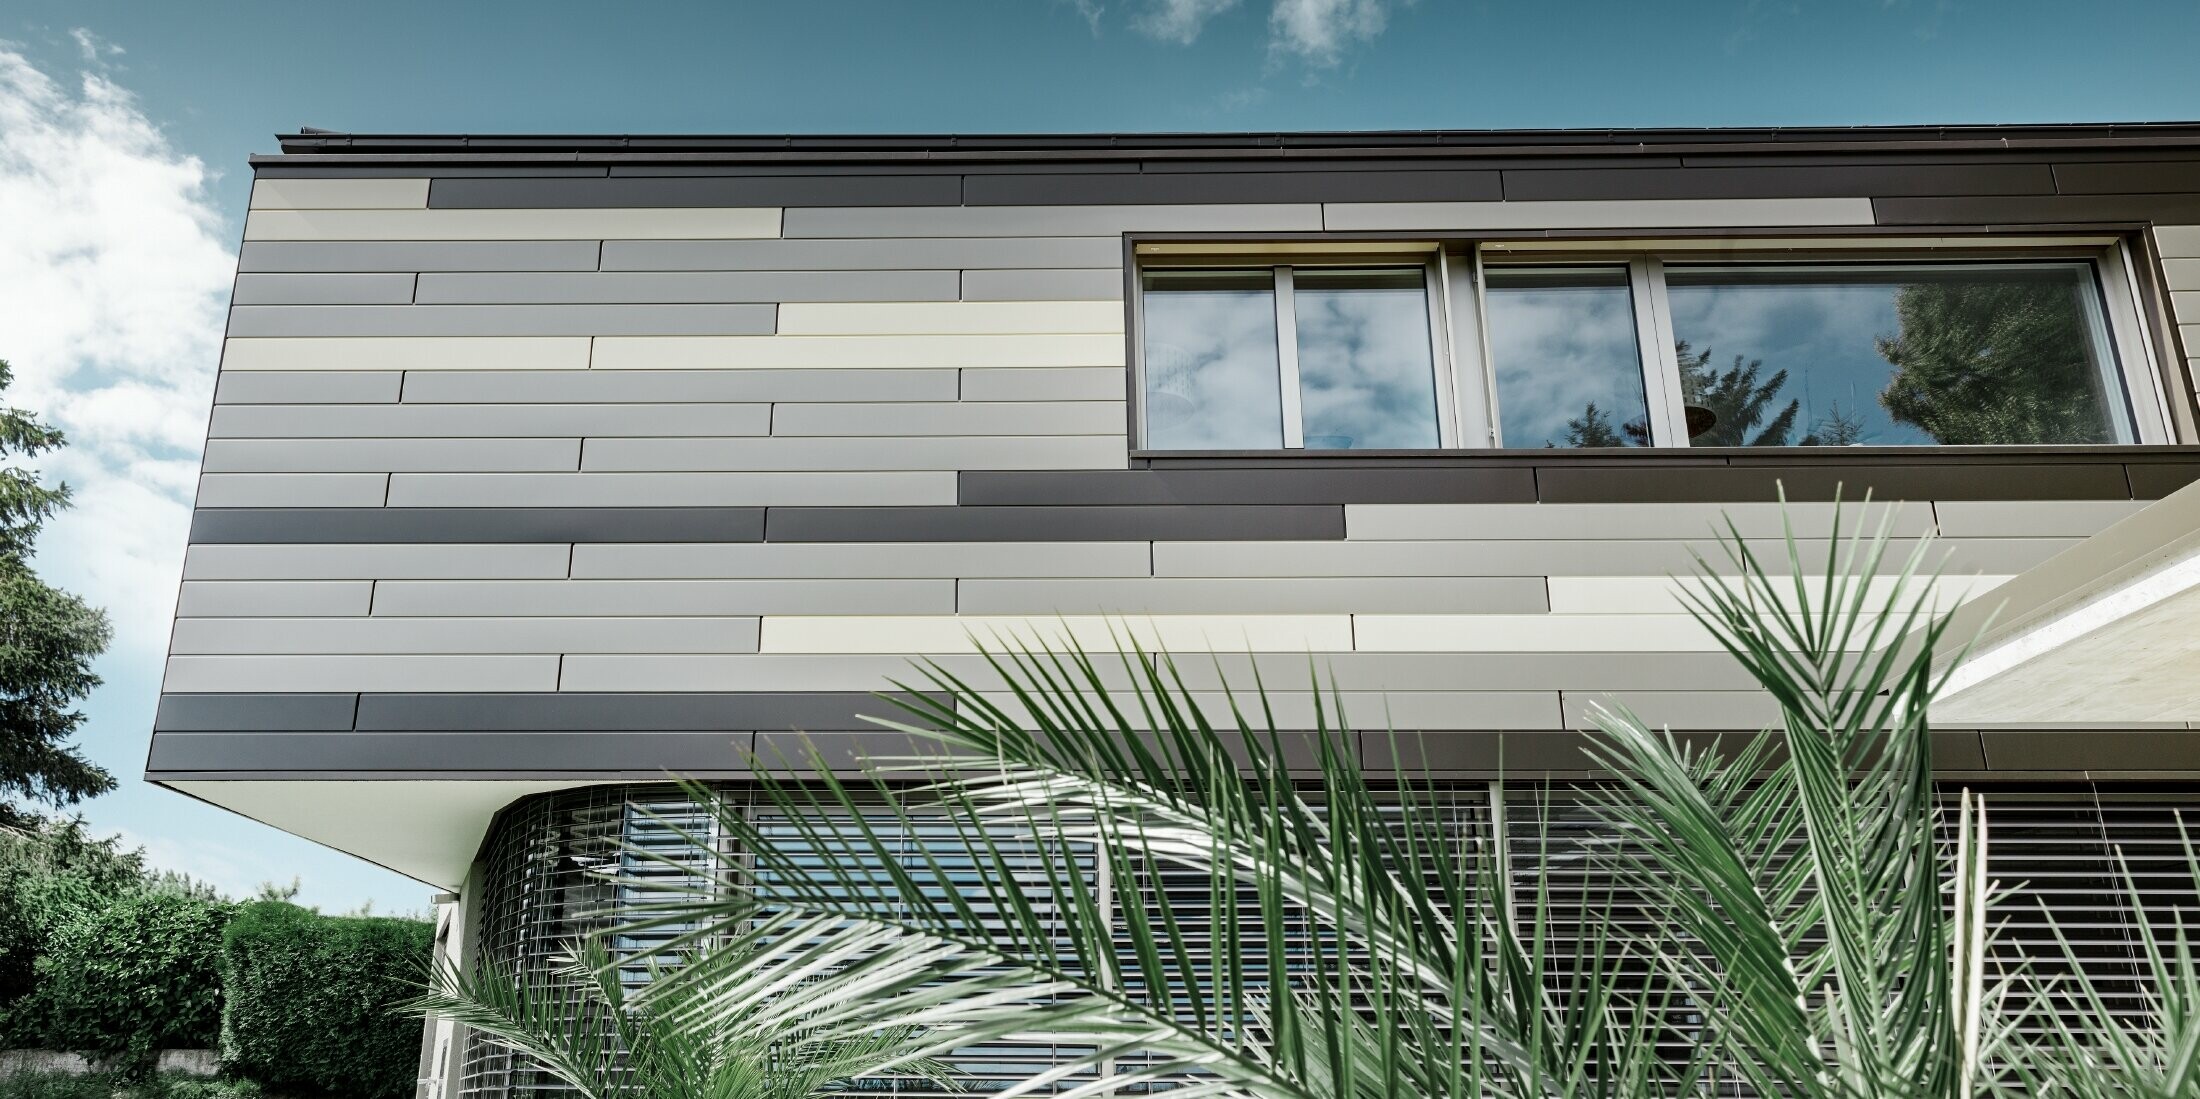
point(383, 147)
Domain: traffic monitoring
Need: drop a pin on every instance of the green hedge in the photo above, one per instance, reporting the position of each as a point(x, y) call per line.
point(312, 1000)
point(122, 982)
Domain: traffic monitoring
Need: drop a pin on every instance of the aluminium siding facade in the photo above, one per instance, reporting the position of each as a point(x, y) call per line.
point(548, 462)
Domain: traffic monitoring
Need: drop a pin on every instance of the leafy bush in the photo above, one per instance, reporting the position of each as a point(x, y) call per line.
point(51, 872)
point(122, 982)
point(61, 1085)
point(312, 1000)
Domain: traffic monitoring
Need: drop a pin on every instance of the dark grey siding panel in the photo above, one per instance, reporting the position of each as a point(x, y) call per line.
point(1823, 181)
point(2091, 750)
point(451, 752)
point(1244, 486)
point(423, 525)
point(255, 712)
point(2154, 480)
point(417, 255)
point(502, 320)
point(1053, 524)
point(2126, 177)
point(695, 191)
point(414, 171)
point(826, 254)
point(620, 712)
point(1522, 753)
point(1168, 188)
point(2037, 210)
point(1742, 483)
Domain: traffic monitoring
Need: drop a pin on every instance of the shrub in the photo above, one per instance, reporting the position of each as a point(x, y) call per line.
point(120, 983)
point(62, 1085)
point(312, 1000)
point(51, 872)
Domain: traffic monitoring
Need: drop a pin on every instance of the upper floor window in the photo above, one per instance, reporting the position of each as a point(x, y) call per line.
point(1571, 349)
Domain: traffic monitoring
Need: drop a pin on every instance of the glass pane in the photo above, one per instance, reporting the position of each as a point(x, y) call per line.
point(1367, 376)
point(1912, 354)
point(1211, 374)
point(1568, 367)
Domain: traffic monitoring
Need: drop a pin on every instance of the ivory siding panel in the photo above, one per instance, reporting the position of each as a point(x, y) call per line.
point(385, 455)
point(962, 318)
point(962, 418)
point(847, 352)
point(517, 599)
point(824, 560)
point(309, 387)
point(274, 599)
point(919, 254)
point(2182, 274)
point(944, 452)
point(402, 353)
point(676, 386)
point(443, 672)
point(339, 194)
point(485, 421)
point(2031, 518)
point(509, 224)
point(488, 490)
point(309, 636)
point(1665, 594)
point(1530, 633)
point(1582, 557)
point(376, 562)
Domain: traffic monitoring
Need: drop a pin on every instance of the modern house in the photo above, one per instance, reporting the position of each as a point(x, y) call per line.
point(541, 467)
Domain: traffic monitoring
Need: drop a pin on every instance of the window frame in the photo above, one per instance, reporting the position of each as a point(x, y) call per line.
point(1457, 279)
point(1283, 265)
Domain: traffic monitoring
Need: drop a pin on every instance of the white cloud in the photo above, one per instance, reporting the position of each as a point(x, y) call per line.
point(92, 46)
point(1319, 31)
point(1090, 10)
point(115, 276)
point(1179, 21)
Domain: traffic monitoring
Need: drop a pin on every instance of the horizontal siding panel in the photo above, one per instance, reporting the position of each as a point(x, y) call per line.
point(819, 560)
point(391, 289)
point(1530, 633)
point(1612, 522)
point(939, 452)
point(520, 490)
point(1645, 214)
point(953, 318)
point(1611, 557)
point(1401, 711)
point(483, 525)
point(292, 490)
point(397, 353)
point(339, 194)
point(803, 352)
point(1032, 221)
point(370, 321)
point(430, 421)
point(409, 256)
point(1351, 671)
point(1068, 284)
point(1708, 710)
point(828, 187)
point(909, 254)
point(950, 634)
point(309, 387)
point(2182, 274)
point(1039, 524)
point(677, 386)
point(659, 598)
point(1095, 383)
point(375, 562)
point(307, 636)
point(274, 599)
point(385, 455)
point(2178, 241)
point(658, 287)
point(953, 418)
point(510, 224)
point(202, 674)
point(1665, 595)
point(1298, 595)
point(2031, 518)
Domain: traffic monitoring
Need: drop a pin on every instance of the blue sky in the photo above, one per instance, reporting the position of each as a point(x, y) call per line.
point(124, 129)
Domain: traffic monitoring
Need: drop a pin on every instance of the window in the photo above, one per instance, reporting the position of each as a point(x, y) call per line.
point(1524, 346)
point(1262, 358)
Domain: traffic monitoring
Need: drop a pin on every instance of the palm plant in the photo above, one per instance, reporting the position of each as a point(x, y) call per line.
point(765, 1014)
point(1808, 931)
